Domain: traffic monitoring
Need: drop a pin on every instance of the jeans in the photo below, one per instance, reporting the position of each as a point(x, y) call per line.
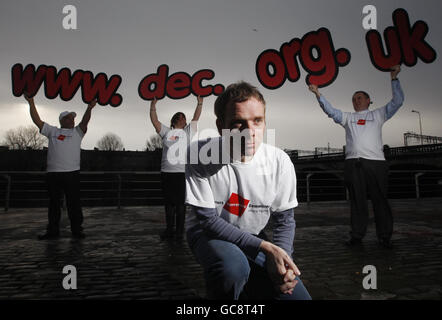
point(230, 275)
point(69, 184)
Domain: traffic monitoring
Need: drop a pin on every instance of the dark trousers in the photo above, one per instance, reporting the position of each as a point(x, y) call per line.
point(67, 183)
point(231, 275)
point(362, 176)
point(174, 191)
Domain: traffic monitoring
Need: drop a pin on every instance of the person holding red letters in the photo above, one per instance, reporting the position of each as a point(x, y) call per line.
point(365, 168)
point(63, 167)
point(175, 140)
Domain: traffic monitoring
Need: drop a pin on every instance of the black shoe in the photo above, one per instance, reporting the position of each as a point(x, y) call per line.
point(385, 243)
point(48, 236)
point(78, 235)
point(353, 242)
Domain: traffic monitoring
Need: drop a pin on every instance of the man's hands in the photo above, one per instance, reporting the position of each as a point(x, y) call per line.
point(394, 71)
point(314, 88)
point(92, 103)
point(282, 270)
point(87, 116)
point(33, 111)
point(289, 282)
point(28, 98)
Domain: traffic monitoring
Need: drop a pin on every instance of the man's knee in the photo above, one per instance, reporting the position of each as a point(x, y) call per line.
point(237, 271)
point(227, 277)
point(231, 269)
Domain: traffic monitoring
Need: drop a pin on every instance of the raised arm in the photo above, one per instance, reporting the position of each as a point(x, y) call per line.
point(398, 95)
point(333, 113)
point(33, 111)
point(198, 109)
point(153, 116)
point(87, 116)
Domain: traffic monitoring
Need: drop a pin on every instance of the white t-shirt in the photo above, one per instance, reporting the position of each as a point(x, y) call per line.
point(64, 147)
point(363, 133)
point(175, 143)
point(363, 130)
point(244, 194)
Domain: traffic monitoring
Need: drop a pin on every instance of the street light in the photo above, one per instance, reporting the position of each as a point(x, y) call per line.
point(420, 125)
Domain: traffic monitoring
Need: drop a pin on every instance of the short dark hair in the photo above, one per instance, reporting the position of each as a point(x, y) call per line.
point(236, 92)
point(175, 118)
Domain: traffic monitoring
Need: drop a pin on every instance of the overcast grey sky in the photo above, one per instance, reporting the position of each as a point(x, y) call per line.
point(132, 38)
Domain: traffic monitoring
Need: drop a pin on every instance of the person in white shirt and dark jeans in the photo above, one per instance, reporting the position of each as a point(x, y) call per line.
point(175, 139)
point(365, 168)
point(234, 186)
point(63, 168)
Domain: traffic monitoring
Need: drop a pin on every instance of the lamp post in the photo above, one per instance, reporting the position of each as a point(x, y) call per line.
point(420, 125)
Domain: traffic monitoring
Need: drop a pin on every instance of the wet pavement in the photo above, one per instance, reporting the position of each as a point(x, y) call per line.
point(123, 257)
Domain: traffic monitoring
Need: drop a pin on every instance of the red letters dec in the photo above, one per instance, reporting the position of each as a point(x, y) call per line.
point(65, 84)
point(404, 43)
point(316, 54)
point(178, 85)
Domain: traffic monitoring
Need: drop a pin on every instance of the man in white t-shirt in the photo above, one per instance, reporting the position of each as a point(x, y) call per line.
point(63, 167)
point(233, 187)
point(365, 166)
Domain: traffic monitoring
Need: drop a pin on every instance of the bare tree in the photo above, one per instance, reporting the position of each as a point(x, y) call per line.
point(110, 142)
point(154, 142)
point(22, 138)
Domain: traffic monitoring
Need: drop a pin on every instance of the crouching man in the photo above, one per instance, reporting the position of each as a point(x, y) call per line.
point(232, 198)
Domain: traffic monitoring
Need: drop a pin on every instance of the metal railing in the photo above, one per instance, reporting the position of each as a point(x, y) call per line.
point(399, 180)
point(118, 188)
point(389, 152)
point(108, 188)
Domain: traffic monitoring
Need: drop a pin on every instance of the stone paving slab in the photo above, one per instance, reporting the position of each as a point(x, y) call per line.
point(124, 258)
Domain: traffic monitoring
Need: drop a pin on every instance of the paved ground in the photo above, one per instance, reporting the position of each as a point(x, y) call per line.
point(123, 257)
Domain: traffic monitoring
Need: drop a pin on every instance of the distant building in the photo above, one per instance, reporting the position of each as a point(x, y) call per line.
point(318, 151)
point(411, 138)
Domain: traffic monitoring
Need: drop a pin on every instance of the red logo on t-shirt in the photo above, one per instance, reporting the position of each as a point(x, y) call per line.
point(236, 204)
point(173, 138)
point(361, 122)
point(61, 137)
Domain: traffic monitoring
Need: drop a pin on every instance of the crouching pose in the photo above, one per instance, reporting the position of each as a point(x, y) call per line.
point(233, 196)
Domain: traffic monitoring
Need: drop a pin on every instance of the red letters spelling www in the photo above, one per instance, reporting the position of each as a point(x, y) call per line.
point(65, 84)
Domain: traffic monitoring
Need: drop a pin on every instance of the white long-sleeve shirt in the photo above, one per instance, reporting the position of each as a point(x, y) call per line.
point(363, 130)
